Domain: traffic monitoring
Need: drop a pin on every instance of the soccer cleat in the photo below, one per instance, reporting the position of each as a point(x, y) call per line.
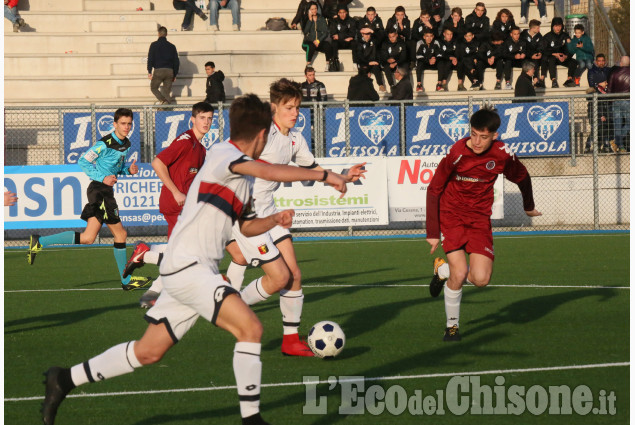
point(292, 346)
point(497, 86)
point(136, 282)
point(436, 284)
point(54, 395)
point(136, 259)
point(34, 247)
point(148, 299)
point(254, 420)
point(452, 334)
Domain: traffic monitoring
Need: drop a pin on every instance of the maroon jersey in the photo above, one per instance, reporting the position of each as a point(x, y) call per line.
point(184, 157)
point(463, 183)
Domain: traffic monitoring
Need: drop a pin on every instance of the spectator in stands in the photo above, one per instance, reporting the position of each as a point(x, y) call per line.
point(533, 43)
point(366, 55)
point(467, 56)
point(524, 10)
point(620, 82)
point(419, 27)
point(582, 47)
point(191, 9)
point(11, 13)
point(436, 9)
point(525, 82)
point(605, 138)
point(316, 38)
point(331, 8)
point(478, 22)
point(403, 89)
point(214, 87)
point(302, 15)
point(455, 24)
point(393, 54)
point(447, 60)
point(164, 59)
point(343, 31)
point(598, 75)
point(312, 89)
point(427, 51)
point(232, 5)
point(491, 55)
point(504, 22)
point(374, 22)
point(515, 54)
point(360, 87)
point(554, 52)
point(400, 22)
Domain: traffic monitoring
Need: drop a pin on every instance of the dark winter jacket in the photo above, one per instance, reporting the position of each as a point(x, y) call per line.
point(163, 54)
point(533, 44)
point(332, 6)
point(365, 52)
point(418, 28)
point(396, 51)
point(555, 43)
point(458, 31)
point(511, 48)
point(316, 30)
point(503, 28)
point(435, 7)
point(620, 80)
point(214, 88)
point(303, 9)
point(360, 87)
point(467, 52)
point(524, 87)
point(586, 52)
point(448, 48)
point(377, 26)
point(402, 90)
point(314, 92)
point(404, 34)
point(425, 52)
point(478, 26)
point(343, 28)
point(596, 75)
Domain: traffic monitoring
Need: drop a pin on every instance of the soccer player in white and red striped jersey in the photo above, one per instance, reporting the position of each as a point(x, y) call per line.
point(459, 205)
point(220, 195)
point(274, 252)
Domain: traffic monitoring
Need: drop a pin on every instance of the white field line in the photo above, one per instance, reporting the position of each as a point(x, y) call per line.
point(379, 378)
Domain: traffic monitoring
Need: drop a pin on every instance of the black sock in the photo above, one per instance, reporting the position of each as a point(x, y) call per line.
point(76, 241)
point(65, 380)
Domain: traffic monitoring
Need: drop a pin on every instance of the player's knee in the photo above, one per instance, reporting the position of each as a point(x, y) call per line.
point(480, 280)
point(85, 239)
point(147, 356)
point(281, 279)
point(296, 275)
point(250, 331)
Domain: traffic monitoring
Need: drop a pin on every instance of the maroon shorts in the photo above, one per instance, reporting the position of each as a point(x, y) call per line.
point(171, 219)
point(474, 235)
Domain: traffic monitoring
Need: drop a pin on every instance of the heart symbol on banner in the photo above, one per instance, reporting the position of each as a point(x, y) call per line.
point(376, 125)
point(545, 121)
point(455, 124)
point(212, 135)
point(300, 123)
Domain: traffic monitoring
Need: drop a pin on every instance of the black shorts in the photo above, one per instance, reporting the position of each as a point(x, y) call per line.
point(101, 204)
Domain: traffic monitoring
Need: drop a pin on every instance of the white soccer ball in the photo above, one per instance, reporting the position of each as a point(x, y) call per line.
point(326, 339)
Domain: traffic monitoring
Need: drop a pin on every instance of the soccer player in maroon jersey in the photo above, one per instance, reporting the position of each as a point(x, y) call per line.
point(459, 206)
point(176, 166)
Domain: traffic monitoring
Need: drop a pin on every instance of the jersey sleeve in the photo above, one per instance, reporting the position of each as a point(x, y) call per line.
point(435, 189)
point(516, 172)
point(88, 161)
point(301, 153)
point(169, 155)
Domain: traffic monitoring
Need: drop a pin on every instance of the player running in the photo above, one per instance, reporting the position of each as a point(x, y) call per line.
point(176, 166)
point(102, 163)
point(459, 206)
point(219, 196)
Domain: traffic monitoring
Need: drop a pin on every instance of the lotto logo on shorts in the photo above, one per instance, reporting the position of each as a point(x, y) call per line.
point(263, 249)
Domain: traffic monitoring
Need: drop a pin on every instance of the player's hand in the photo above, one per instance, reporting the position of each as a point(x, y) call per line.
point(356, 172)
point(294, 26)
point(9, 199)
point(284, 218)
point(533, 213)
point(335, 37)
point(434, 244)
point(179, 198)
point(149, 76)
point(110, 180)
point(337, 181)
point(133, 169)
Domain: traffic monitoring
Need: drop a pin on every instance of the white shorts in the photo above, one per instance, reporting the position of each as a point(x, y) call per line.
point(195, 291)
point(261, 249)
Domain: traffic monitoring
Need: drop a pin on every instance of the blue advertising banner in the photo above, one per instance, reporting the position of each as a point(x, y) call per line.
point(53, 196)
point(432, 130)
point(535, 128)
point(78, 132)
point(374, 131)
point(169, 124)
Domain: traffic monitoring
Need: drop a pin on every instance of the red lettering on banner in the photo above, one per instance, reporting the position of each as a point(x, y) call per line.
point(425, 176)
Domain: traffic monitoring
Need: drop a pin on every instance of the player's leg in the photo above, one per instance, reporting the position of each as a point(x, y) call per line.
point(277, 276)
point(453, 292)
point(480, 271)
point(237, 266)
point(118, 360)
point(119, 236)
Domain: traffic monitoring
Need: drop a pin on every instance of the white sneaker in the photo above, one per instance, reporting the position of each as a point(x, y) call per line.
point(523, 20)
point(508, 86)
point(544, 19)
point(213, 28)
point(235, 28)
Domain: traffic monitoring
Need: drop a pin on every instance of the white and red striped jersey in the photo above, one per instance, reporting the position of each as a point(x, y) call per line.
point(280, 149)
point(216, 199)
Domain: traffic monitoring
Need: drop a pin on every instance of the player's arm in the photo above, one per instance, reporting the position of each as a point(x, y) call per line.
point(257, 226)
point(516, 172)
point(353, 174)
point(287, 173)
point(88, 162)
point(433, 196)
point(162, 172)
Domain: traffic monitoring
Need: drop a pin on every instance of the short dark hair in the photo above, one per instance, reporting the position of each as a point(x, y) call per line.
point(308, 69)
point(248, 115)
point(457, 10)
point(514, 28)
point(210, 64)
point(400, 9)
point(485, 118)
point(498, 36)
point(534, 23)
point(480, 3)
point(428, 31)
point(202, 107)
point(391, 30)
point(371, 9)
point(363, 70)
point(468, 31)
point(163, 32)
point(424, 12)
point(600, 55)
point(122, 112)
point(284, 90)
point(579, 27)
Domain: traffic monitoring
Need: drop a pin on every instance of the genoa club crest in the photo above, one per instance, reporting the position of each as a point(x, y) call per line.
point(263, 249)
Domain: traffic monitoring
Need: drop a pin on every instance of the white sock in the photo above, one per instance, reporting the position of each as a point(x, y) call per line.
point(248, 371)
point(291, 303)
point(254, 292)
point(444, 271)
point(115, 361)
point(452, 305)
point(157, 285)
point(236, 275)
point(154, 255)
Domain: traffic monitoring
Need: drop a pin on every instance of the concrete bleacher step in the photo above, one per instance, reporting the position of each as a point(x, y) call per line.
point(116, 5)
point(123, 26)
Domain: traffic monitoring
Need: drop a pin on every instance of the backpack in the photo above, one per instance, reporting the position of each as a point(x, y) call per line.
point(276, 24)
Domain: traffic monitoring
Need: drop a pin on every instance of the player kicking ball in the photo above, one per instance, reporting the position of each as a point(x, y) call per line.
point(459, 206)
point(219, 196)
